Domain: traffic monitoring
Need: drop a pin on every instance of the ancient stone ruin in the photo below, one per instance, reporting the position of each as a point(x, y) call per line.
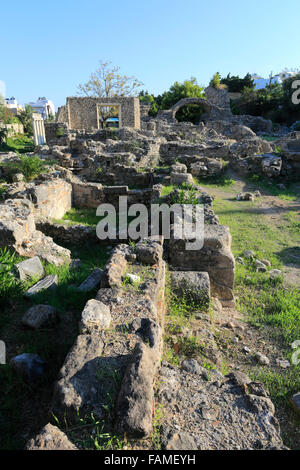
point(117, 356)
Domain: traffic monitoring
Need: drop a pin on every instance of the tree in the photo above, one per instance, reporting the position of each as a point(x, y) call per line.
point(235, 84)
point(26, 119)
point(107, 82)
point(145, 97)
point(187, 89)
point(215, 81)
point(6, 115)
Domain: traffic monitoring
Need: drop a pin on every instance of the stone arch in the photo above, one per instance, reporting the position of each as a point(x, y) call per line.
point(186, 101)
point(211, 110)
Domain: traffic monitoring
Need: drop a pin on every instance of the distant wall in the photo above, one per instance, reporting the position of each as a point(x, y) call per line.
point(82, 113)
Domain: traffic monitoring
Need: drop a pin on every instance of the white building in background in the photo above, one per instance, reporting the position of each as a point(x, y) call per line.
point(260, 82)
point(13, 105)
point(44, 107)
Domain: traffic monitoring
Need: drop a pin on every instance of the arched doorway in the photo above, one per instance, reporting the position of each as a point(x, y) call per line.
point(191, 109)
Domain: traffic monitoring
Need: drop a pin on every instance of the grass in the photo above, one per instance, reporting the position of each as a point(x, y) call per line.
point(79, 216)
point(20, 143)
point(291, 193)
point(252, 230)
point(268, 303)
point(179, 316)
point(19, 398)
point(215, 181)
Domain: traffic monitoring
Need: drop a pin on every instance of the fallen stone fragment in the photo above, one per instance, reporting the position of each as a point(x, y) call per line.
point(266, 262)
point(262, 359)
point(245, 197)
point(178, 441)
point(48, 283)
point(96, 315)
point(40, 316)
point(261, 269)
point(50, 438)
point(274, 273)
point(148, 251)
point(179, 168)
point(295, 401)
point(132, 278)
point(283, 363)
point(180, 178)
point(239, 260)
point(30, 366)
point(92, 281)
point(259, 264)
point(249, 254)
point(192, 366)
point(30, 268)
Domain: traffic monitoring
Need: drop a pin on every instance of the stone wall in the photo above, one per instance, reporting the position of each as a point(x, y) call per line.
point(51, 198)
point(90, 195)
point(53, 131)
point(82, 113)
point(14, 128)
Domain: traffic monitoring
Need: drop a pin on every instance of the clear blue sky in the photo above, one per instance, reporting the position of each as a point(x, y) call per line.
point(49, 47)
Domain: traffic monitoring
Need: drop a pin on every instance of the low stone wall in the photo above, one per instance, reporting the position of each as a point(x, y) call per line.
point(69, 234)
point(92, 194)
point(14, 128)
point(129, 349)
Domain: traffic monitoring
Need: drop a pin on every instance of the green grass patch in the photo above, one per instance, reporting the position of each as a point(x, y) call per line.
point(20, 143)
point(251, 230)
point(270, 187)
point(80, 217)
point(215, 181)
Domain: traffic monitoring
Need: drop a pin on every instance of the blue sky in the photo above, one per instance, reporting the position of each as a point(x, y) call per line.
point(49, 47)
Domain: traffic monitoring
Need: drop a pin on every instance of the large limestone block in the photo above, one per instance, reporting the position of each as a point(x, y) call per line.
point(215, 258)
point(30, 268)
point(78, 386)
point(16, 222)
point(52, 198)
point(95, 316)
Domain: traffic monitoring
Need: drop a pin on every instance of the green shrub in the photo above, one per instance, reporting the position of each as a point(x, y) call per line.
point(59, 132)
point(216, 80)
point(29, 166)
point(20, 143)
point(9, 285)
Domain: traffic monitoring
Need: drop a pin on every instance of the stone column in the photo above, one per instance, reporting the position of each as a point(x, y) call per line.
point(38, 129)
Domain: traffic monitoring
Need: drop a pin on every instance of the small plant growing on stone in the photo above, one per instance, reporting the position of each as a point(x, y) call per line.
point(59, 132)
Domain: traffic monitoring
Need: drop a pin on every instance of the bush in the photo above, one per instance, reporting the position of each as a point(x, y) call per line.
point(235, 84)
point(18, 143)
point(59, 132)
point(9, 285)
point(29, 166)
point(215, 81)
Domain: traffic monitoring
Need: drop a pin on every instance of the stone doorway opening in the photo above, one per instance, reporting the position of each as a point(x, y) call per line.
point(108, 115)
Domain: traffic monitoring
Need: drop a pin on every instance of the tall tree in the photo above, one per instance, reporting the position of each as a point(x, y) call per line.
point(107, 81)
